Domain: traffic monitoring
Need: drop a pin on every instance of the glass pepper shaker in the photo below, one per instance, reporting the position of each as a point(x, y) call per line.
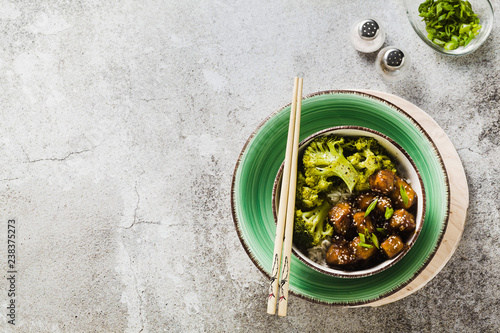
point(367, 35)
point(392, 63)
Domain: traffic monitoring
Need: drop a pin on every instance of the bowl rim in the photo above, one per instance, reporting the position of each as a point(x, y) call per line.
point(461, 51)
point(385, 264)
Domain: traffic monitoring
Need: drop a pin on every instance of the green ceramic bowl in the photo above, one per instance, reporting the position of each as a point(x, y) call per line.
point(262, 156)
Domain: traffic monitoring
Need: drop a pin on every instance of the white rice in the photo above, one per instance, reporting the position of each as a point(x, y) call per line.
point(339, 194)
point(318, 253)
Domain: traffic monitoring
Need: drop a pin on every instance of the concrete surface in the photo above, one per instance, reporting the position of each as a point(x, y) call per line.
point(121, 123)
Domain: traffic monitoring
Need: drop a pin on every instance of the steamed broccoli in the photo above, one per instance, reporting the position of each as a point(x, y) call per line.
point(324, 158)
point(311, 227)
point(369, 157)
point(306, 196)
point(320, 183)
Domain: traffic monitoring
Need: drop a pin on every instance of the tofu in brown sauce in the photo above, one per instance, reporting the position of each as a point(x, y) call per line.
point(364, 200)
point(339, 254)
point(362, 223)
point(355, 241)
point(402, 220)
point(340, 217)
point(359, 251)
point(397, 198)
point(382, 181)
point(392, 246)
point(383, 203)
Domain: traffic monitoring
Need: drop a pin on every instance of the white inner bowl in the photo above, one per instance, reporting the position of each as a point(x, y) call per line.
point(406, 170)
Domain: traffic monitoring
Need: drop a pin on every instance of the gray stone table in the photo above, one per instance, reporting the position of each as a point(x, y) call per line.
point(121, 123)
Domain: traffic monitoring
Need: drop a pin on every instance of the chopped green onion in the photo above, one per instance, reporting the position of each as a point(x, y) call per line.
point(382, 231)
point(362, 238)
point(375, 241)
point(404, 196)
point(388, 213)
point(371, 207)
point(366, 245)
point(449, 23)
point(464, 28)
point(438, 41)
point(451, 45)
point(367, 233)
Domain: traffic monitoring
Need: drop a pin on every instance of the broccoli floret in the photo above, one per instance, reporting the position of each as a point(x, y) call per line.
point(311, 227)
point(319, 183)
point(368, 159)
point(323, 159)
point(306, 196)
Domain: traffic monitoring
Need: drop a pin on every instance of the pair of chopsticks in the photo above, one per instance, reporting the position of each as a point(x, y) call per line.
point(286, 211)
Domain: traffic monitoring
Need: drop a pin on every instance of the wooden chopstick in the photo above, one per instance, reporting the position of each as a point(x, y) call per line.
point(286, 210)
point(290, 214)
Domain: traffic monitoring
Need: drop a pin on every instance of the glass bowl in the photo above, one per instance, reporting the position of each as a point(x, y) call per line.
point(482, 8)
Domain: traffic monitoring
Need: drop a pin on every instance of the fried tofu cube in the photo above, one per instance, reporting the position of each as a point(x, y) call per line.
point(392, 246)
point(360, 251)
point(340, 218)
point(339, 254)
point(362, 223)
point(403, 221)
point(397, 198)
point(382, 181)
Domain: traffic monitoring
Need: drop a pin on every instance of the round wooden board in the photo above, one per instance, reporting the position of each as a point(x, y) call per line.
point(459, 197)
